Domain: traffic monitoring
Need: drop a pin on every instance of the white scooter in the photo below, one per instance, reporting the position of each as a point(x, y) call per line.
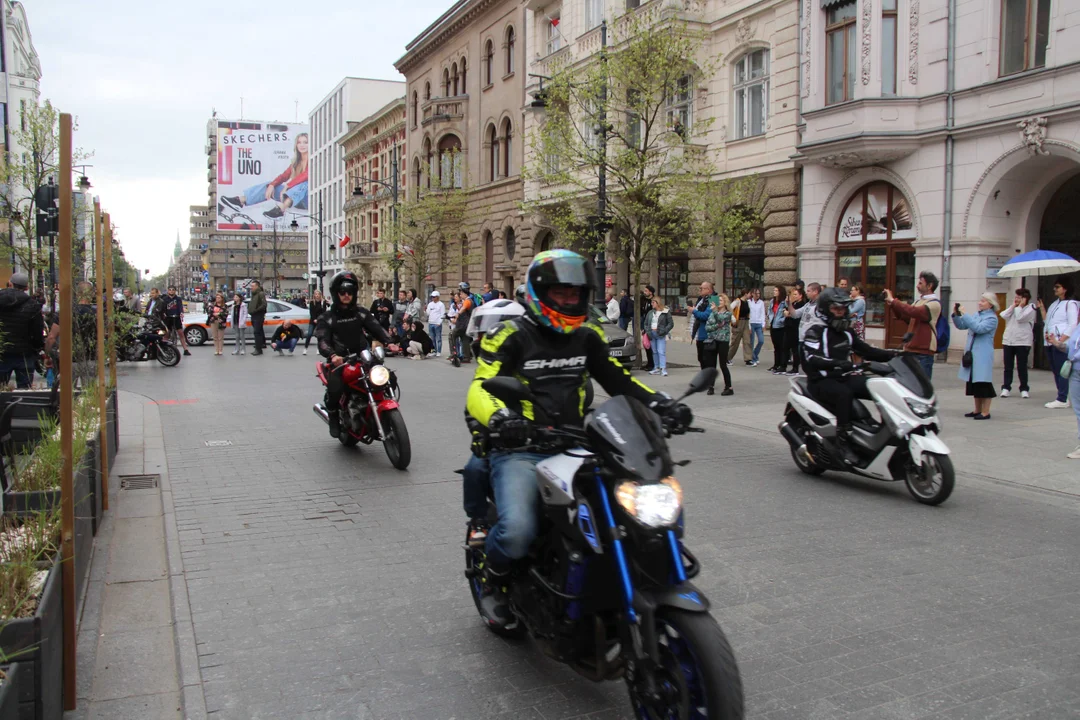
point(903, 445)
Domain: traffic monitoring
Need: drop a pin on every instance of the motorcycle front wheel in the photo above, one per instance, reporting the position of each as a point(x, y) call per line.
point(931, 483)
point(698, 677)
point(168, 355)
point(396, 442)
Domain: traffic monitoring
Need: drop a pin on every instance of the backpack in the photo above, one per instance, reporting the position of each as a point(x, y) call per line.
point(943, 332)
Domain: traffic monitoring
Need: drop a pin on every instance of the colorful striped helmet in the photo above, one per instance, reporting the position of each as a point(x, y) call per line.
point(559, 270)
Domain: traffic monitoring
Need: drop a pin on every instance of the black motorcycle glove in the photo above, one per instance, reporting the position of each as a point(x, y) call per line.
point(509, 430)
point(681, 415)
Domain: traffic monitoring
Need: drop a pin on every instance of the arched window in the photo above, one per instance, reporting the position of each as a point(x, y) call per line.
point(446, 82)
point(417, 175)
point(443, 263)
point(510, 243)
point(509, 50)
point(415, 109)
point(450, 162)
point(429, 159)
point(454, 78)
point(464, 258)
point(489, 63)
point(507, 138)
point(751, 100)
point(488, 243)
point(464, 88)
point(492, 138)
point(427, 91)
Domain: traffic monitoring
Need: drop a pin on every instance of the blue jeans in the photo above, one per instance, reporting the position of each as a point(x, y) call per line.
point(289, 344)
point(1057, 359)
point(513, 478)
point(757, 338)
point(1074, 389)
point(659, 349)
point(310, 332)
point(624, 322)
point(22, 366)
point(474, 487)
point(927, 362)
point(257, 194)
point(435, 331)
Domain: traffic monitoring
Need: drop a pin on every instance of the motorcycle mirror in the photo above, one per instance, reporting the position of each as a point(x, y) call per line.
point(703, 380)
point(508, 389)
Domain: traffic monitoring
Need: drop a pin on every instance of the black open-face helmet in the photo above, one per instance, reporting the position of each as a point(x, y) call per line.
point(346, 281)
point(829, 299)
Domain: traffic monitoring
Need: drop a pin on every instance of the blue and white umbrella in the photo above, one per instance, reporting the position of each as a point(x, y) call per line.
point(1039, 262)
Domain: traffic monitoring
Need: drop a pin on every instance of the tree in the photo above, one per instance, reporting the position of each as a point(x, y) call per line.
point(38, 135)
point(627, 115)
point(428, 235)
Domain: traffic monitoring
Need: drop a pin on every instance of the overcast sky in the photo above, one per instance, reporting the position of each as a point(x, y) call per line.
point(143, 77)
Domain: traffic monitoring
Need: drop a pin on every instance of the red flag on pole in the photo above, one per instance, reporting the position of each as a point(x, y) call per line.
point(345, 239)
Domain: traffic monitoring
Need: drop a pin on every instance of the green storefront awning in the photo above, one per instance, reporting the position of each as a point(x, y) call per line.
point(826, 4)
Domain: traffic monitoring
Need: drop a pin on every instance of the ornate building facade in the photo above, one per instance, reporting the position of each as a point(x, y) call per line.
point(465, 77)
point(939, 135)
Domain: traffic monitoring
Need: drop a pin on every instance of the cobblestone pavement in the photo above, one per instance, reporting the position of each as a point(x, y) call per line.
point(323, 583)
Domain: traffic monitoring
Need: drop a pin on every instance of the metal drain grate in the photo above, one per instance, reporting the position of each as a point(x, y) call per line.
point(218, 443)
point(139, 482)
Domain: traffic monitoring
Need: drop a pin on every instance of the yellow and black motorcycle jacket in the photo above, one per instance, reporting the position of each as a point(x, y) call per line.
point(555, 368)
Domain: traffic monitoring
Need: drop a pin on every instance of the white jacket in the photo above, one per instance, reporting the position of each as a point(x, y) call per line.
point(243, 316)
point(436, 311)
point(613, 310)
point(1019, 325)
point(1061, 317)
point(757, 312)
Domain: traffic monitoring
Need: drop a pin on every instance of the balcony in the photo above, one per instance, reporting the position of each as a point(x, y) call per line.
point(870, 131)
point(362, 251)
point(443, 110)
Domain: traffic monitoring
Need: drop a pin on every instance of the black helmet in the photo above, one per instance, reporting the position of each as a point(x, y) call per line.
point(555, 268)
point(830, 298)
point(344, 280)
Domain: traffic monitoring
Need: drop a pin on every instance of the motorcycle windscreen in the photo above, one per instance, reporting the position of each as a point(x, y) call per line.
point(910, 374)
point(630, 438)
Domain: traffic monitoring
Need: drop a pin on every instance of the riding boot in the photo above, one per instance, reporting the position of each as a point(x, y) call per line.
point(494, 604)
point(845, 443)
point(334, 422)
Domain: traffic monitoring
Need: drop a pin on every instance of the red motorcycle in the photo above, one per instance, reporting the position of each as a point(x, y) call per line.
point(369, 409)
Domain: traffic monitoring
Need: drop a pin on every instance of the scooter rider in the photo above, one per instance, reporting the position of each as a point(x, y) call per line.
point(342, 330)
point(827, 353)
point(553, 350)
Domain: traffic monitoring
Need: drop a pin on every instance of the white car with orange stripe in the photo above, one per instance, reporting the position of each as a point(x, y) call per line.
point(197, 331)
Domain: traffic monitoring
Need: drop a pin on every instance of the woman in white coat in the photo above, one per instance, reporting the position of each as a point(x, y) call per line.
point(1019, 333)
point(238, 319)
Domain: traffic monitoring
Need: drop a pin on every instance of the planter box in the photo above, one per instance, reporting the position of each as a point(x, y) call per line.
point(113, 423)
point(93, 459)
point(40, 683)
point(9, 691)
point(25, 503)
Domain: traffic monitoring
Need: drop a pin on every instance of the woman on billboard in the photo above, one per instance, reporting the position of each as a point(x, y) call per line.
point(289, 189)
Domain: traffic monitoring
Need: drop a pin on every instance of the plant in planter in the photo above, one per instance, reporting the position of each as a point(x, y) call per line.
point(31, 623)
point(11, 675)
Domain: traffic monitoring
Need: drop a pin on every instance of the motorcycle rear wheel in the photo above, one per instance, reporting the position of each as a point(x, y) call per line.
point(396, 442)
point(698, 673)
point(931, 483)
point(167, 354)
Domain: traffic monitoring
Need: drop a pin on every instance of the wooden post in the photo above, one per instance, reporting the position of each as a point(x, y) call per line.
point(107, 240)
point(103, 438)
point(67, 485)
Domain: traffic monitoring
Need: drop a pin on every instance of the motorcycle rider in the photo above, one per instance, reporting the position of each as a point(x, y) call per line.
point(827, 351)
point(553, 350)
point(343, 330)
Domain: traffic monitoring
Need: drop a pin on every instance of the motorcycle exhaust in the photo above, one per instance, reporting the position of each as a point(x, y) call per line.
point(321, 412)
point(796, 442)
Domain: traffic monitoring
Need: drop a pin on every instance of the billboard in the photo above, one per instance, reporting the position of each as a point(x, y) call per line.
point(262, 175)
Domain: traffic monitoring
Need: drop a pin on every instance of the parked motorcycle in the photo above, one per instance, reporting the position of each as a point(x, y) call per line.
point(606, 586)
point(148, 341)
point(369, 409)
point(903, 445)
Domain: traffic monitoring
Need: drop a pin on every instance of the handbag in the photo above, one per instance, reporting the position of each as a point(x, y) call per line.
point(966, 359)
point(1066, 369)
point(645, 342)
point(709, 344)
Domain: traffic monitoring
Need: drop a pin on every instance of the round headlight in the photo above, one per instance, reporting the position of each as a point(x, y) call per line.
point(655, 506)
point(379, 375)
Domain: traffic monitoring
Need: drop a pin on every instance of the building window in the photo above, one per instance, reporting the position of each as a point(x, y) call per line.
point(1025, 31)
point(633, 4)
point(554, 34)
point(633, 119)
point(430, 160)
point(511, 243)
point(454, 76)
point(680, 107)
point(463, 90)
point(507, 136)
point(509, 50)
point(464, 259)
point(840, 49)
point(415, 109)
point(888, 47)
point(590, 124)
point(752, 93)
point(493, 150)
point(427, 91)
point(450, 162)
point(594, 13)
point(489, 62)
point(446, 83)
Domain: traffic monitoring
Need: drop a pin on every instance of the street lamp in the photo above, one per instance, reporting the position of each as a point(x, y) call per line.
point(392, 186)
point(295, 226)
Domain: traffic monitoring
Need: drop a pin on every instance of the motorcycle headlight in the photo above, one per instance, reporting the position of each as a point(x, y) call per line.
point(160, 332)
point(921, 409)
point(379, 375)
point(652, 505)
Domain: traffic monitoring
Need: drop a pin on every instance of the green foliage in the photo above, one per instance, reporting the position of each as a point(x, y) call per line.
point(42, 472)
point(428, 234)
point(28, 546)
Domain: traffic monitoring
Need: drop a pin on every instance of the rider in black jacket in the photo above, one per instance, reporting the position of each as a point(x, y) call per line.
point(553, 350)
point(341, 331)
point(827, 351)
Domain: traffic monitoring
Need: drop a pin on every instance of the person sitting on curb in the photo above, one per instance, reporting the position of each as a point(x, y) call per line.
point(285, 338)
point(419, 342)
